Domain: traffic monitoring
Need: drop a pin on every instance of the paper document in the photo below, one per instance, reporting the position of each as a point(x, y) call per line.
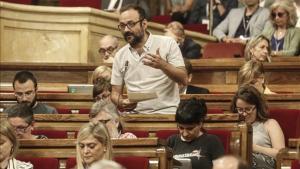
point(141, 96)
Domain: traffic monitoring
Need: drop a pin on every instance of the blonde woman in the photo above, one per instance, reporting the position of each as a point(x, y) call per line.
point(101, 72)
point(258, 49)
point(8, 148)
point(253, 73)
point(283, 35)
point(93, 145)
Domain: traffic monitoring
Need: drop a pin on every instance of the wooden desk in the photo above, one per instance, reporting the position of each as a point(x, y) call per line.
point(205, 71)
point(85, 101)
point(153, 148)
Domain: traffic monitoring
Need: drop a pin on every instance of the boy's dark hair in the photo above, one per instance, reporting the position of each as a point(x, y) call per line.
point(135, 7)
point(24, 76)
point(191, 111)
point(23, 111)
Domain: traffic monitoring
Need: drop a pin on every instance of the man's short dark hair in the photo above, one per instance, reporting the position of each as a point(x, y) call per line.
point(23, 77)
point(135, 7)
point(23, 111)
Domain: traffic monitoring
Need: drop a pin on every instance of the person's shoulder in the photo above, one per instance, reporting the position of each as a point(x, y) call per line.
point(271, 123)
point(263, 10)
point(23, 165)
point(123, 49)
point(212, 137)
point(162, 38)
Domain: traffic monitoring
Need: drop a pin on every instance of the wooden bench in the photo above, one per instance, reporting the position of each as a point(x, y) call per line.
point(217, 101)
point(290, 153)
point(153, 148)
point(282, 71)
point(240, 141)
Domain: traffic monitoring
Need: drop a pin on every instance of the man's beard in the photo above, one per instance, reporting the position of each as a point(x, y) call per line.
point(31, 104)
point(135, 39)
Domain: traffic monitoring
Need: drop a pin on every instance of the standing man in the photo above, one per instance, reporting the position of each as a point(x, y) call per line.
point(242, 23)
point(148, 63)
point(25, 89)
point(108, 46)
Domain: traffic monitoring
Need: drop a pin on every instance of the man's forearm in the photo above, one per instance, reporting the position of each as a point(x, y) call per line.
point(177, 74)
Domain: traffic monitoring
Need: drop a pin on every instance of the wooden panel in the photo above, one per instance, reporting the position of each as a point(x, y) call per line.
point(60, 34)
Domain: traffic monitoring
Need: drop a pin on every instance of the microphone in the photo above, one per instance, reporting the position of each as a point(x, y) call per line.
point(123, 82)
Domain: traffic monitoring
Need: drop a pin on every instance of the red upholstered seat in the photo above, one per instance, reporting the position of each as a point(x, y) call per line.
point(162, 19)
point(70, 163)
point(41, 163)
point(51, 133)
point(81, 3)
point(133, 162)
point(296, 164)
point(289, 121)
point(223, 135)
point(223, 50)
point(72, 111)
point(201, 28)
point(139, 134)
point(27, 2)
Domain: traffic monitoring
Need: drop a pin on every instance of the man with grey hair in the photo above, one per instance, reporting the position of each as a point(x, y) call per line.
point(108, 46)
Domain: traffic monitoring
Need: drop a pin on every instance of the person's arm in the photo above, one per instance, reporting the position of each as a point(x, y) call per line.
point(177, 74)
point(222, 29)
point(294, 44)
point(119, 101)
point(277, 139)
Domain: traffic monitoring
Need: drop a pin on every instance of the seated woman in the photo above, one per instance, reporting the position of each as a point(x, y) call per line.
point(8, 146)
point(101, 72)
point(268, 137)
point(282, 33)
point(253, 73)
point(105, 111)
point(93, 145)
point(258, 49)
point(21, 118)
point(192, 141)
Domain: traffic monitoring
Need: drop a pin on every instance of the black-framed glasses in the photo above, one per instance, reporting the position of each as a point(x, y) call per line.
point(21, 129)
point(279, 14)
point(247, 110)
point(129, 25)
point(109, 50)
point(25, 94)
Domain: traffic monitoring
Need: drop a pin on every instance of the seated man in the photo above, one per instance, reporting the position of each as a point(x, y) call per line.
point(242, 23)
point(108, 46)
point(188, 48)
point(21, 118)
point(25, 88)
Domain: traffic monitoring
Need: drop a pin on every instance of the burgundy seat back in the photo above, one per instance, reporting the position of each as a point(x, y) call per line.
point(139, 134)
point(27, 2)
point(70, 163)
point(289, 121)
point(81, 3)
point(215, 111)
point(132, 162)
point(223, 50)
point(201, 28)
point(162, 19)
point(51, 133)
point(296, 164)
point(223, 135)
point(39, 162)
point(72, 111)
